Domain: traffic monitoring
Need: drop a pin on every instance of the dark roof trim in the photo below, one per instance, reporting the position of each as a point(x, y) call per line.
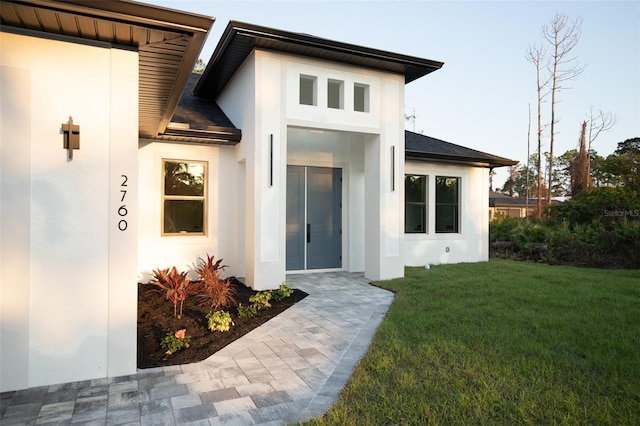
point(240, 39)
point(196, 139)
point(125, 11)
point(425, 148)
point(231, 135)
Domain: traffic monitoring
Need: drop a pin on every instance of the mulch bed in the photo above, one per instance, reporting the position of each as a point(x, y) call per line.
point(155, 320)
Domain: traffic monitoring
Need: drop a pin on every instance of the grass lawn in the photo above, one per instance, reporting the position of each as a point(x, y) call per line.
point(502, 342)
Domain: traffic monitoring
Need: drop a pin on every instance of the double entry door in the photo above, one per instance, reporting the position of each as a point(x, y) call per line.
point(314, 218)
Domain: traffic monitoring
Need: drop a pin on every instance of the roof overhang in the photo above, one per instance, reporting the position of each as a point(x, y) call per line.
point(240, 39)
point(419, 147)
point(168, 42)
point(458, 159)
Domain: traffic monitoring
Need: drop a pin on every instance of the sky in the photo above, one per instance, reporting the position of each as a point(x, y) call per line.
point(480, 98)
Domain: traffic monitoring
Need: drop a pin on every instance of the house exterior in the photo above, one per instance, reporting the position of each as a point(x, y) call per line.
point(287, 154)
point(503, 204)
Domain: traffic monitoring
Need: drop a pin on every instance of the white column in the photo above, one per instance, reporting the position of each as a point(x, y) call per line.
point(123, 214)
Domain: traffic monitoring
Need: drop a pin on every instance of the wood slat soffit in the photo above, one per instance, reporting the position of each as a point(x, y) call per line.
point(168, 43)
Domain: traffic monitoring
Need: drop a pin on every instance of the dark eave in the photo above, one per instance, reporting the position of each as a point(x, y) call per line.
point(168, 42)
point(425, 148)
point(240, 39)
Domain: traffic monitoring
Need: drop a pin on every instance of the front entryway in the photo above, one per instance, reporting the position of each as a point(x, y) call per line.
point(314, 218)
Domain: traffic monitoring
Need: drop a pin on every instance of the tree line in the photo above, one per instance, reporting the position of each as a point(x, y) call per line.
point(576, 170)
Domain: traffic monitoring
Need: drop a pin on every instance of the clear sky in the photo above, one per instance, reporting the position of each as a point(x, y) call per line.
point(480, 97)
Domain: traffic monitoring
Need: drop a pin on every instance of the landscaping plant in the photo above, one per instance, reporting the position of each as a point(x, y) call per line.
point(176, 286)
point(261, 300)
point(247, 311)
point(281, 292)
point(219, 321)
point(214, 291)
point(173, 342)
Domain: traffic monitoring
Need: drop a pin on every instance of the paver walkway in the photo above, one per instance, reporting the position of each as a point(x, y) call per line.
point(290, 369)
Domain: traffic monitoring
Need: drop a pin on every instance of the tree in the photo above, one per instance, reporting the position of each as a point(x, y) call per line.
point(563, 36)
point(620, 169)
point(521, 181)
point(536, 55)
point(509, 184)
point(199, 66)
point(580, 179)
point(603, 122)
point(629, 146)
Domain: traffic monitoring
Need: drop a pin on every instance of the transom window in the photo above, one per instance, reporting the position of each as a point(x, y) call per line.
point(308, 89)
point(335, 94)
point(447, 204)
point(361, 97)
point(415, 210)
point(184, 197)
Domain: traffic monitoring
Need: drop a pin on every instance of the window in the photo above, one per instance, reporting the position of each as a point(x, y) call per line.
point(361, 97)
point(335, 94)
point(308, 89)
point(183, 197)
point(447, 204)
point(415, 198)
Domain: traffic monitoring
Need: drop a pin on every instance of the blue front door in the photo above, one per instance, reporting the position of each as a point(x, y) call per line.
point(314, 218)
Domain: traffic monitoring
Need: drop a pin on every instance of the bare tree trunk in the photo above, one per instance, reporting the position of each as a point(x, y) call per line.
point(602, 123)
point(580, 179)
point(536, 55)
point(526, 202)
point(563, 37)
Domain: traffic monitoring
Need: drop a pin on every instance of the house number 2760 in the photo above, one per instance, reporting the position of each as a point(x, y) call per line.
point(122, 210)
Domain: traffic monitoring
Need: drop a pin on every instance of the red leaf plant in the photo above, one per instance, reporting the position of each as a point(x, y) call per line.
point(214, 291)
point(176, 286)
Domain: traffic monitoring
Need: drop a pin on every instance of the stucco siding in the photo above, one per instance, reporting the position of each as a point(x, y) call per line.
point(63, 248)
point(470, 244)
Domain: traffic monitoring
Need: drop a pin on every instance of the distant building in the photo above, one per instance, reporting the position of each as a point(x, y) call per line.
point(514, 207)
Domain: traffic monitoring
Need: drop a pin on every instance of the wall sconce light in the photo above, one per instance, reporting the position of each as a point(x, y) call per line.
point(393, 168)
point(70, 136)
point(271, 160)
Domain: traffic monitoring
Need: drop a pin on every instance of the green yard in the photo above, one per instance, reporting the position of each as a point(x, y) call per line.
point(502, 342)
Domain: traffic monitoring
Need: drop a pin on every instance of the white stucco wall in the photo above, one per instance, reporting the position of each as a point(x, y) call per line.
point(157, 251)
point(67, 286)
point(263, 100)
point(471, 243)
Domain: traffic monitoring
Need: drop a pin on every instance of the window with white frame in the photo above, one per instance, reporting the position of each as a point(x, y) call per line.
point(184, 197)
point(447, 204)
point(415, 199)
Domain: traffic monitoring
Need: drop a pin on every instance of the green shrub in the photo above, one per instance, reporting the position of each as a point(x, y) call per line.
point(607, 204)
point(282, 292)
point(173, 342)
point(219, 321)
point(247, 311)
point(261, 300)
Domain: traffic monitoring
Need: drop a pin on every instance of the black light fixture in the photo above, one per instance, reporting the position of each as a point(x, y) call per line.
point(271, 159)
point(70, 136)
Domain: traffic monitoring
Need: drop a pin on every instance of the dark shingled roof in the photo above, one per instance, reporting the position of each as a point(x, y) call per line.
point(239, 39)
point(425, 148)
point(200, 121)
point(199, 113)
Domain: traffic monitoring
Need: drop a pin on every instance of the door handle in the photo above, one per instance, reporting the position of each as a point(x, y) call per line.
point(308, 232)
